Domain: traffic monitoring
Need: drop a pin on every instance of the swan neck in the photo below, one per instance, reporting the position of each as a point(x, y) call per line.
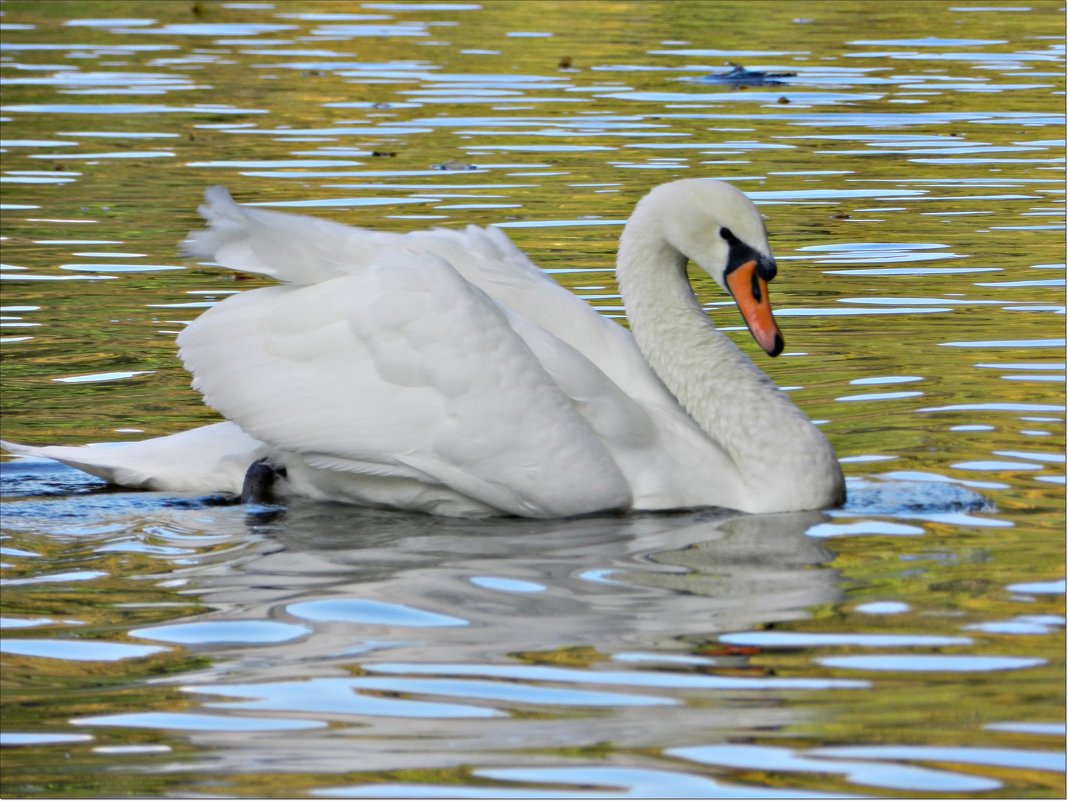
point(736, 405)
point(700, 366)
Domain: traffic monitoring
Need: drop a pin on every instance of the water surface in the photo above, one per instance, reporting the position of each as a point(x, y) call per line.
point(908, 645)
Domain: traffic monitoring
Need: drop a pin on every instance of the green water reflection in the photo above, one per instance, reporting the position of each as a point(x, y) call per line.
point(912, 176)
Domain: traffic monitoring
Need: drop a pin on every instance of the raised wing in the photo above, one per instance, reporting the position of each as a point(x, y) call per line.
point(287, 247)
point(306, 250)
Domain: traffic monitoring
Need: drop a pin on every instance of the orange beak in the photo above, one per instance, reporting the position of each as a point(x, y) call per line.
point(750, 292)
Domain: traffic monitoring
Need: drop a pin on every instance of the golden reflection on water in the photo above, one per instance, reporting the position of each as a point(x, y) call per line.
point(916, 183)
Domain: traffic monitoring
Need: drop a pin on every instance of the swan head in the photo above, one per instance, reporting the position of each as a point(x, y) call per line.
point(719, 229)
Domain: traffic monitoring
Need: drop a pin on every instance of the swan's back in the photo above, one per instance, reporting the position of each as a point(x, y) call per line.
point(299, 249)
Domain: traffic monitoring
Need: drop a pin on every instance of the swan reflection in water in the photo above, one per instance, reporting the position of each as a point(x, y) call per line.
point(451, 614)
point(614, 580)
point(486, 616)
point(616, 576)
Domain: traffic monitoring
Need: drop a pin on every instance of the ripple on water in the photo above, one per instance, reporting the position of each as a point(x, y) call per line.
point(124, 108)
point(1007, 343)
point(1021, 625)
point(1039, 587)
point(247, 632)
point(125, 22)
point(799, 639)
point(506, 584)
point(864, 527)
point(1001, 757)
point(29, 623)
point(78, 650)
point(334, 697)
point(510, 692)
point(378, 613)
point(120, 268)
point(1051, 729)
point(182, 721)
point(930, 663)
point(592, 781)
point(14, 738)
point(872, 774)
point(54, 578)
point(616, 678)
point(96, 378)
point(883, 608)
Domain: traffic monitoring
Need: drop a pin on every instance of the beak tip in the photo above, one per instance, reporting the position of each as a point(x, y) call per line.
point(777, 346)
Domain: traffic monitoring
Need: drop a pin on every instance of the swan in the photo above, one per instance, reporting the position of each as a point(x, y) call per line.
point(442, 371)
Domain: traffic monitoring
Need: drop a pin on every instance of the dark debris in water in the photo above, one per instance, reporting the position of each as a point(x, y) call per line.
point(739, 76)
point(454, 166)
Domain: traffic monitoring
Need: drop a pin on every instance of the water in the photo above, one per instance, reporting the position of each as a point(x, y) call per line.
point(910, 644)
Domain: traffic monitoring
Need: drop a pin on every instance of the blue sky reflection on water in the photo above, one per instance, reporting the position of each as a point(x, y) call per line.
point(908, 643)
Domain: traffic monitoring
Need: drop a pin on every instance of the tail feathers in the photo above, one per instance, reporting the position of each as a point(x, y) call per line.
point(14, 447)
point(208, 459)
point(91, 459)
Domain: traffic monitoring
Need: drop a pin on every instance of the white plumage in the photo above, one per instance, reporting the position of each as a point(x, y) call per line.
point(442, 371)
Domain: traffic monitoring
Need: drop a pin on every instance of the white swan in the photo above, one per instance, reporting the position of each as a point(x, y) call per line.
point(442, 371)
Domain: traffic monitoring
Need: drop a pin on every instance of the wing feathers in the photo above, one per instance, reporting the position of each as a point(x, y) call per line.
point(403, 363)
point(287, 247)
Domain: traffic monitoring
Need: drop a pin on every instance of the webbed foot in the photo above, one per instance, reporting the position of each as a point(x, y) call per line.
point(258, 486)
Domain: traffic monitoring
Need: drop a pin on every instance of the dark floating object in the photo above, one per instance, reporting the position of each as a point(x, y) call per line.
point(454, 166)
point(740, 76)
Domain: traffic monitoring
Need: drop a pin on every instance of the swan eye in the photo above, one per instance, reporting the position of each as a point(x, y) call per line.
point(728, 235)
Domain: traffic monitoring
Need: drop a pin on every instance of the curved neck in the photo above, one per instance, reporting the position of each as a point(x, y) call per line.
point(714, 382)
